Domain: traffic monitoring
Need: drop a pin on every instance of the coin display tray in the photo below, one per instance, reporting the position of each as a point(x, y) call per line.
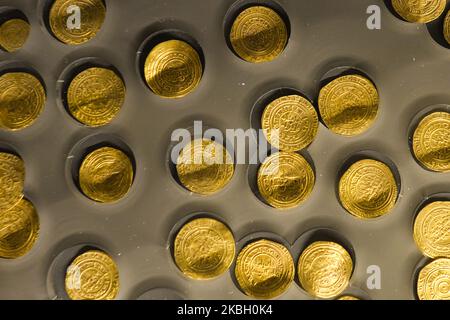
point(409, 64)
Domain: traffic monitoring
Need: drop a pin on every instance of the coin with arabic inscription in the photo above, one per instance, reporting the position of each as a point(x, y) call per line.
point(173, 69)
point(419, 11)
point(432, 229)
point(285, 180)
point(19, 230)
point(325, 269)
point(348, 298)
point(258, 34)
point(446, 30)
point(349, 105)
point(22, 99)
point(431, 142)
point(13, 34)
point(106, 175)
point(12, 179)
point(204, 248)
point(75, 22)
point(264, 269)
point(95, 96)
point(368, 189)
point(433, 282)
point(204, 166)
point(92, 275)
point(290, 123)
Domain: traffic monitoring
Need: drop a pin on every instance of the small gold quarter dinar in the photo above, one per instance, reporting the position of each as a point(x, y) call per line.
point(19, 229)
point(419, 11)
point(91, 18)
point(447, 27)
point(204, 249)
point(258, 34)
point(92, 275)
point(290, 123)
point(173, 69)
point(106, 175)
point(264, 269)
point(325, 269)
point(285, 180)
point(368, 189)
point(431, 142)
point(22, 99)
point(348, 105)
point(432, 229)
point(13, 34)
point(12, 179)
point(433, 282)
point(95, 96)
point(348, 298)
point(204, 166)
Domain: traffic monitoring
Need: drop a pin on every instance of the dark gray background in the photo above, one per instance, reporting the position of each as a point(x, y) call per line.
point(410, 69)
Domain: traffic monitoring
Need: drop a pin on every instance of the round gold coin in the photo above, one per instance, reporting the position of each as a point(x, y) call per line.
point(368, 189)
point(12, 179)
point(264, 269)
point(285, 180)
point(204, 167)
point(75, 22)
point(348, 298)
point(22, 99)
point(431, 142)
point(447, 27)
point(173, 69)
point(204, 249)
point(432, 229)
point(349, 105)
point(434, 280)
point(19, 229)
point(419, 11)
point(290, 123)
point(13, 34)
point(93, 275)
point(258, 34)
point(325, 269)
point(106, 175)
point(95, 96)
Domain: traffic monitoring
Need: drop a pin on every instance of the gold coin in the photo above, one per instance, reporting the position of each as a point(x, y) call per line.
point(434, 280)
point(290, 123)
point(106, 175)
point(349, 105)
point(204, 249)
point(285, 180)
point(348, 298)
point(95, 96)
point(63, 22)
point(93, 275)
point(264, 269)
point(419, 11)
point(173, 69)
point(431, 142)
point(325, 269)
point(368, 189)
point(258, 34)
point(432, 229)
point(204, 167)
point(13, 34)
point(19, 229)
point(22, 99)
point(12, 178)
point(447, 27)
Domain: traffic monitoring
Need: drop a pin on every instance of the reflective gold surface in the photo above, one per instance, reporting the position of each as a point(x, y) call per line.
point(285, 180)
point(349, 105)
point(264, 269)
point(92, 16)
point(204, 248)
point(420, 11)
point(93, 275)
point(258, 34)
point(447, 27)
point(368, 189)
point(106, 175)
point(433, 282)
point(348, 298)
point(95, 96)
point(324, 269)
point(13, 34)
point(290, 123)
point(12, 179)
